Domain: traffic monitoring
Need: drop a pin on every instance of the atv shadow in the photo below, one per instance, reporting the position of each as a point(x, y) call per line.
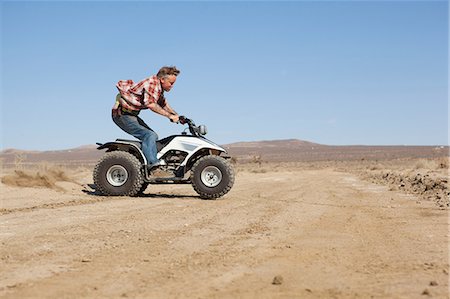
point(149, 195)
point(90, 189)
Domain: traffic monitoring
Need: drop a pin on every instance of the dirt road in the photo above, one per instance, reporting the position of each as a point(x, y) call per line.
point(321, 233)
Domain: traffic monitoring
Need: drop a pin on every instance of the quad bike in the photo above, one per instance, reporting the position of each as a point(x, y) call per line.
point(188, 159)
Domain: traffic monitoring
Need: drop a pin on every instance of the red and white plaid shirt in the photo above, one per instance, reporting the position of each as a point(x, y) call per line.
point(138, 96)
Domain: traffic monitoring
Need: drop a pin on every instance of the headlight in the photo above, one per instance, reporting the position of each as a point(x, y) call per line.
point(202, 130)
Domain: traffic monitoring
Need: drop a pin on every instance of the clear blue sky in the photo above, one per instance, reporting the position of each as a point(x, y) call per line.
point(332, 72)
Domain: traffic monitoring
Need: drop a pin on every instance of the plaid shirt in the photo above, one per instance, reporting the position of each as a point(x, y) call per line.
point(138, 96)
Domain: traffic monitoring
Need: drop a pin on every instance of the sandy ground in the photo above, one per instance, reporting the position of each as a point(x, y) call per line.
point(294, 233)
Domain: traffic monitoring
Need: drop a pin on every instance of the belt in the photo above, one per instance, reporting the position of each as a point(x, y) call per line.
point(129, 111)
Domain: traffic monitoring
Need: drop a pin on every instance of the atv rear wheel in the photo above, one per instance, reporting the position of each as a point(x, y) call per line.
point(212, 177)
point(118, 173)
point(143, 188)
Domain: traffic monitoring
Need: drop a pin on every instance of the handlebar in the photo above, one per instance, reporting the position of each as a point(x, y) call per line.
point(184, 120)
point(195, 131)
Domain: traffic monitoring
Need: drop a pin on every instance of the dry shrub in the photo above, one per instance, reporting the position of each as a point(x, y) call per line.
point(256, 159)
point(443, 163)
point(374, 167)
point(432, 164)
point(46, 179)
point(19, 160)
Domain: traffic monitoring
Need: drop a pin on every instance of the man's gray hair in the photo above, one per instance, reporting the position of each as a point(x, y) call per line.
point(167, 71)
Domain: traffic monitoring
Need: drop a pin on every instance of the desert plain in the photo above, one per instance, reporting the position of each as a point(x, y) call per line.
point(302, 221)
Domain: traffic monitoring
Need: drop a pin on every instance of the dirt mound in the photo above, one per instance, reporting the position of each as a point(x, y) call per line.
point(46, 179)
point(429, 187)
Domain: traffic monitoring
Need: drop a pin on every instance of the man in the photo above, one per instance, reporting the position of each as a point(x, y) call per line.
point(146, 94)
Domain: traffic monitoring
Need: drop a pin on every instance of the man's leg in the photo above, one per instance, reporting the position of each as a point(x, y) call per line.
point(135, 126)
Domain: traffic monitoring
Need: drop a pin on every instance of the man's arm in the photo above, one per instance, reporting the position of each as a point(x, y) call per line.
point(169, 109)
point(162, 111)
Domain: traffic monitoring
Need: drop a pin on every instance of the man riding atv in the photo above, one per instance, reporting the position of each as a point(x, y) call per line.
point(146, 94)
point(126, 169)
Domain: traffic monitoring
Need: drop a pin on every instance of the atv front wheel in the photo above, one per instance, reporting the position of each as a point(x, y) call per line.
point(118, 173)
point(212, 177)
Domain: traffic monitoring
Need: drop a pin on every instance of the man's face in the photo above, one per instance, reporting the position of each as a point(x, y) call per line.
point(168, 82)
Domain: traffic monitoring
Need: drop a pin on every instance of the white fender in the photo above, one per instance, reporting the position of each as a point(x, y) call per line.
point(190, 145)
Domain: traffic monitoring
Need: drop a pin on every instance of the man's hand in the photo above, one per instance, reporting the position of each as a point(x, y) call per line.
point(174, 118)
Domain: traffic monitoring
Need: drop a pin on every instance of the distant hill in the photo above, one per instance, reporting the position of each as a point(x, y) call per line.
point(294, 150)
point(79, 156)
point(289, 150)
point(286, 143)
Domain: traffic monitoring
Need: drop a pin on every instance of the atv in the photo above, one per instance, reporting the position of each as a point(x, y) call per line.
point(186, 159)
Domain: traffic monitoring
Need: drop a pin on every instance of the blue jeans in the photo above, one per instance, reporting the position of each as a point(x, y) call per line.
point(135, 126)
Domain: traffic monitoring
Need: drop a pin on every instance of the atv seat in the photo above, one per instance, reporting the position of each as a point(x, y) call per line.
point(137, 143)
point(159, 143)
